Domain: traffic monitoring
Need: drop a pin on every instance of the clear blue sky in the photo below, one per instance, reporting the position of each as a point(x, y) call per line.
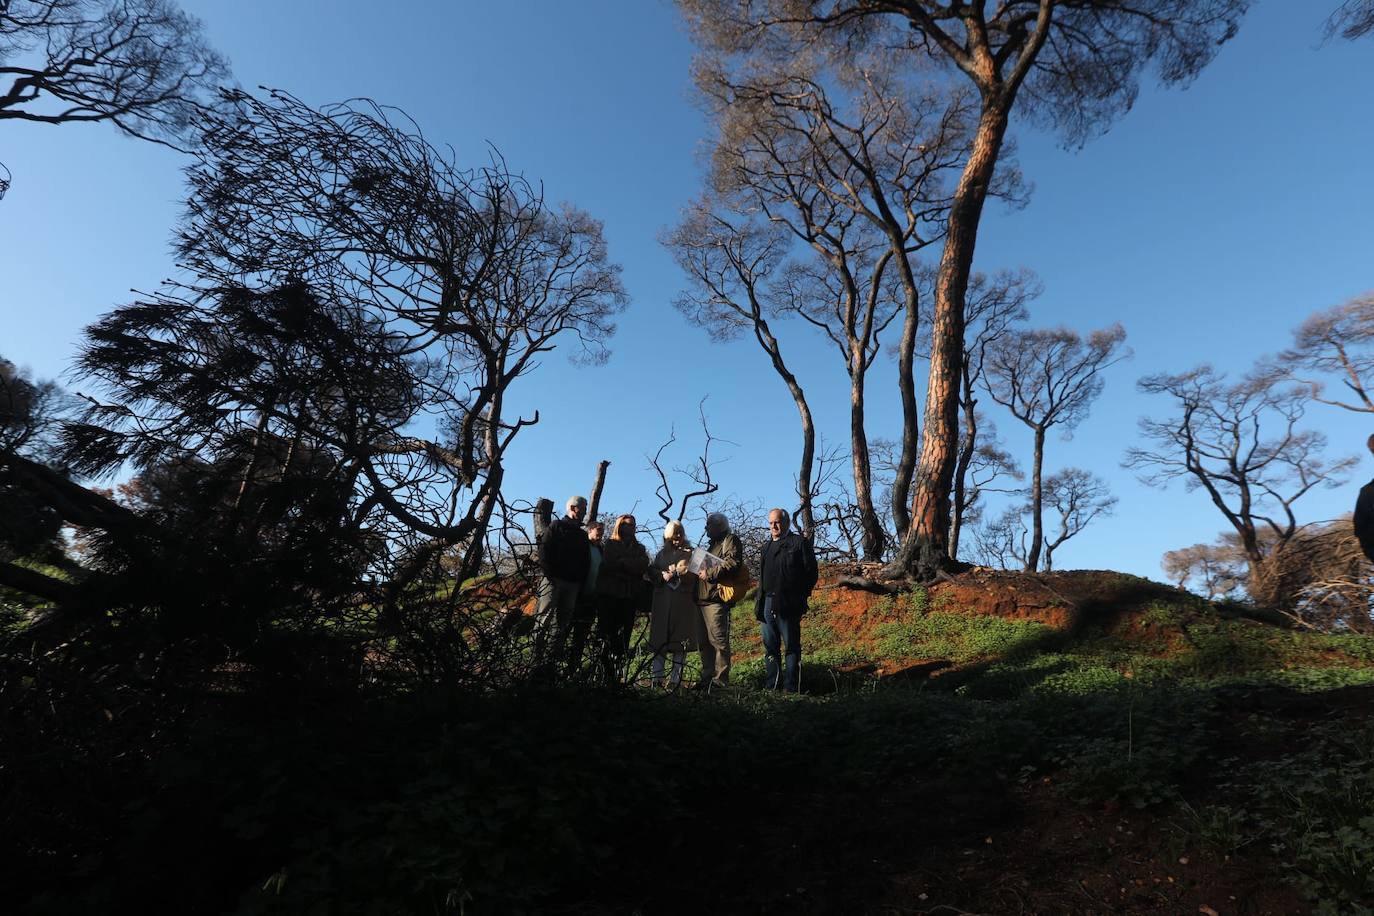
point(1208, 221)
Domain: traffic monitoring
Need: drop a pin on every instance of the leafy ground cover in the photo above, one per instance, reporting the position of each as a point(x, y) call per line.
point(1076, 743)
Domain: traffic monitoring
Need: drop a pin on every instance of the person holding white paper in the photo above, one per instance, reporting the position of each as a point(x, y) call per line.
point(673, 621)
point(722, 559)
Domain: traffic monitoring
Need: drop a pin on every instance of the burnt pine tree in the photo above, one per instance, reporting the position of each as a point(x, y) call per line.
point(357, 310)
point(995, 305)
point(860, 171)
point(1071, 64)
point(1336, 343)
point(1351, 20)
point(1240, 443)
point(1047, 379)
point(143, 65)
point(732, 261)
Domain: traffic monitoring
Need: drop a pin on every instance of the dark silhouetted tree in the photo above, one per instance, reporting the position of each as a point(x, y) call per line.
point(1352, 19)
point(30, 528)
point(731, 263)
point(142, 65)
point(334, 371)
point(468, 272)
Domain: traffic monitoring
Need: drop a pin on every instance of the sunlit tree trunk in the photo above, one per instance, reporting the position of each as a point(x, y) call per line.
point(926, 550)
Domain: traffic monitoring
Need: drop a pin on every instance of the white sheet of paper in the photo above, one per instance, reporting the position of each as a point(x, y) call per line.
point(703, 561)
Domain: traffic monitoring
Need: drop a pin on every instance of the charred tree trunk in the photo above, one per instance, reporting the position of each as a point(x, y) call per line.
point(476, 550)
point(968, 443)
point(494, 449)
point(252, 467)
point(1037, 502)
point(805, 512)
point(874, 537)
point(594, 504)
point(543, 517)
point(911, 419)
point(925, 552)
point(34, 583)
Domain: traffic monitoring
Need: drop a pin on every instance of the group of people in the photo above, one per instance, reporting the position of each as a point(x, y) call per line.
point(589, 580)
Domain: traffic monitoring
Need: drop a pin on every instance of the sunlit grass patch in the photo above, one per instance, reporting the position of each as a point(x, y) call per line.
point(956, 637)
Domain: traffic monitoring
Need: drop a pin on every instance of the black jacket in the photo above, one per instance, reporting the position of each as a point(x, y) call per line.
point(1364, 519)
point(789, 571)
point(564, 551)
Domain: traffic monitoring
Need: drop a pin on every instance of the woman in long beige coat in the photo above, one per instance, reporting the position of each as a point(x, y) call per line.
point(675, 618)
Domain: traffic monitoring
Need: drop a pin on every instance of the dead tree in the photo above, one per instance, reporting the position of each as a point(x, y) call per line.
point(698, 474)
point(988, 463)
point(1240, 443)
point(858, 178)
point(1075, 498)
point(142, 65)
point(1049, 378)
point(1339, 343)
point(731, 262)
point(1351, 20)
point(594, 504)
point(349, 282)
point(1215, 571)
point(849, 300)
point(1074, 65)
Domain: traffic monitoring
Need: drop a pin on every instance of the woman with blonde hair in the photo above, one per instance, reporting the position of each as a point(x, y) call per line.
point(673, 622)
point(619, 594)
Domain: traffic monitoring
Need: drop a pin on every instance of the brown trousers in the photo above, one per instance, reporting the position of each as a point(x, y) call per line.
point(714, 643)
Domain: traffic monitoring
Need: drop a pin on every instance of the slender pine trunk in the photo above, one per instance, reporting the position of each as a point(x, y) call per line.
point(1037, 502)
point(926, 552)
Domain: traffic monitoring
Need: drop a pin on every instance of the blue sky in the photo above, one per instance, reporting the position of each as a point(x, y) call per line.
point(1208, 221)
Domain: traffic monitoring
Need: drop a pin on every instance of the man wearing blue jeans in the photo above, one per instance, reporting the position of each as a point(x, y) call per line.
point(786, 577)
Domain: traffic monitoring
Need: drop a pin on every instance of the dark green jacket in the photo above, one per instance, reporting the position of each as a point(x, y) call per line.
point(731, 552)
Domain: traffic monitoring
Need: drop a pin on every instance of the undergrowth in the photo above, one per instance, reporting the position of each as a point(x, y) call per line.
point(535, 801)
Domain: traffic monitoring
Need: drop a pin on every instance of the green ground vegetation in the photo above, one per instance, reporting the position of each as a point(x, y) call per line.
point(1250, 741)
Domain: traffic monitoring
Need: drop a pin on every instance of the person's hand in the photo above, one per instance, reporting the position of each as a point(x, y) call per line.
point(667, 575)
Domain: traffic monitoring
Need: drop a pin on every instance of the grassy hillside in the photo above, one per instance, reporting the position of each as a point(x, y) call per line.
point(1074, 743)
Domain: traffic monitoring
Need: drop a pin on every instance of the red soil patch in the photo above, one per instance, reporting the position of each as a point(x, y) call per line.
point(1110, 601)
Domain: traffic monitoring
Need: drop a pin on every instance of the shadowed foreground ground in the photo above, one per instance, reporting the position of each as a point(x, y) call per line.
point(1127, 750)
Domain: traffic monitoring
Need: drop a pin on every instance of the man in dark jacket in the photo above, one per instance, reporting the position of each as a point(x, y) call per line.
point(714, 641)
point(786, 577)
point(1364, 514)
point(564, 558)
